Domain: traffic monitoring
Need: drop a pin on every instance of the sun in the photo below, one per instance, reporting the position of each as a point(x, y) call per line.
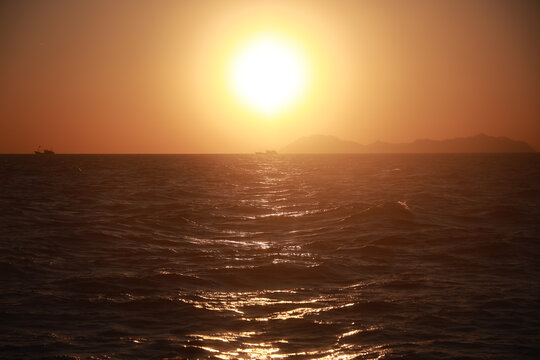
point(268, 74)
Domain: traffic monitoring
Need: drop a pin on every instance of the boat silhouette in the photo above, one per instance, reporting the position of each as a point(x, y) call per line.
point(267, 152)
point(44, 152)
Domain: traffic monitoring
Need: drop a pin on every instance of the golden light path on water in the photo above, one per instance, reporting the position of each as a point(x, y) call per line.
point(259, 312)
point(248, 345)
point(268, 350)
point(274, 257)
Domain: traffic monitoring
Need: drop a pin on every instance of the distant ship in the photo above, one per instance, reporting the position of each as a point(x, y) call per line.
point(267, 152)
point(44, 152)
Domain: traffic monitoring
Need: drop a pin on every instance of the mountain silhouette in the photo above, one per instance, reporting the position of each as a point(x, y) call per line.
point(480, 143)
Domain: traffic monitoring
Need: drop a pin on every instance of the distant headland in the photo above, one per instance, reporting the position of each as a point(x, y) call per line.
point(480, 143)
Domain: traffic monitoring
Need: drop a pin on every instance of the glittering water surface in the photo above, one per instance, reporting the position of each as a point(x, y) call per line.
point(270, 257)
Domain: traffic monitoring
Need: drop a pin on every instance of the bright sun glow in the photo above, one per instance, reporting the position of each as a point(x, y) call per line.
point(268, 74)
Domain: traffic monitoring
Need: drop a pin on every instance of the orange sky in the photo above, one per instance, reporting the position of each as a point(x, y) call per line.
point(146, 76)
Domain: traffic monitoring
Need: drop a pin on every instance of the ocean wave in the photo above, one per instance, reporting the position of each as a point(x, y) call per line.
point(300, 257)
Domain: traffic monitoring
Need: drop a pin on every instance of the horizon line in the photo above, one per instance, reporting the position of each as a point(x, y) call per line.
point(289, 153)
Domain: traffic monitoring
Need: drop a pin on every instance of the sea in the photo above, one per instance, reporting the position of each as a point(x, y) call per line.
point(395, 256)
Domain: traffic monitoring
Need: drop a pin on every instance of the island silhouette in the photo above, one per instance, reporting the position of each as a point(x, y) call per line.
point(481, 143)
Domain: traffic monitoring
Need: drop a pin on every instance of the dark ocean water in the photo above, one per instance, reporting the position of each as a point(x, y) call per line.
point(270, 257)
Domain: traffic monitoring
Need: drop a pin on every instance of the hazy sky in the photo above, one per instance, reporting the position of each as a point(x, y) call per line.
point(148, 76)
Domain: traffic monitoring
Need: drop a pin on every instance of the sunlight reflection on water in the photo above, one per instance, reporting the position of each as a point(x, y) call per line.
point(240, 345)
point(245, 344)
point(245, 257)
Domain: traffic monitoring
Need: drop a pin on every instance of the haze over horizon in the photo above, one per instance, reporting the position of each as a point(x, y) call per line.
point(141, 77)
point(480, 143)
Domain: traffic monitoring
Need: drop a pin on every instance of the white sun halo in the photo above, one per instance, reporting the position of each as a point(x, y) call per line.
point(268, 74)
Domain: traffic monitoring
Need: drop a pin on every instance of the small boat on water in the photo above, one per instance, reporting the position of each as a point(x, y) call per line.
point(268, 152)
point(44, 152)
